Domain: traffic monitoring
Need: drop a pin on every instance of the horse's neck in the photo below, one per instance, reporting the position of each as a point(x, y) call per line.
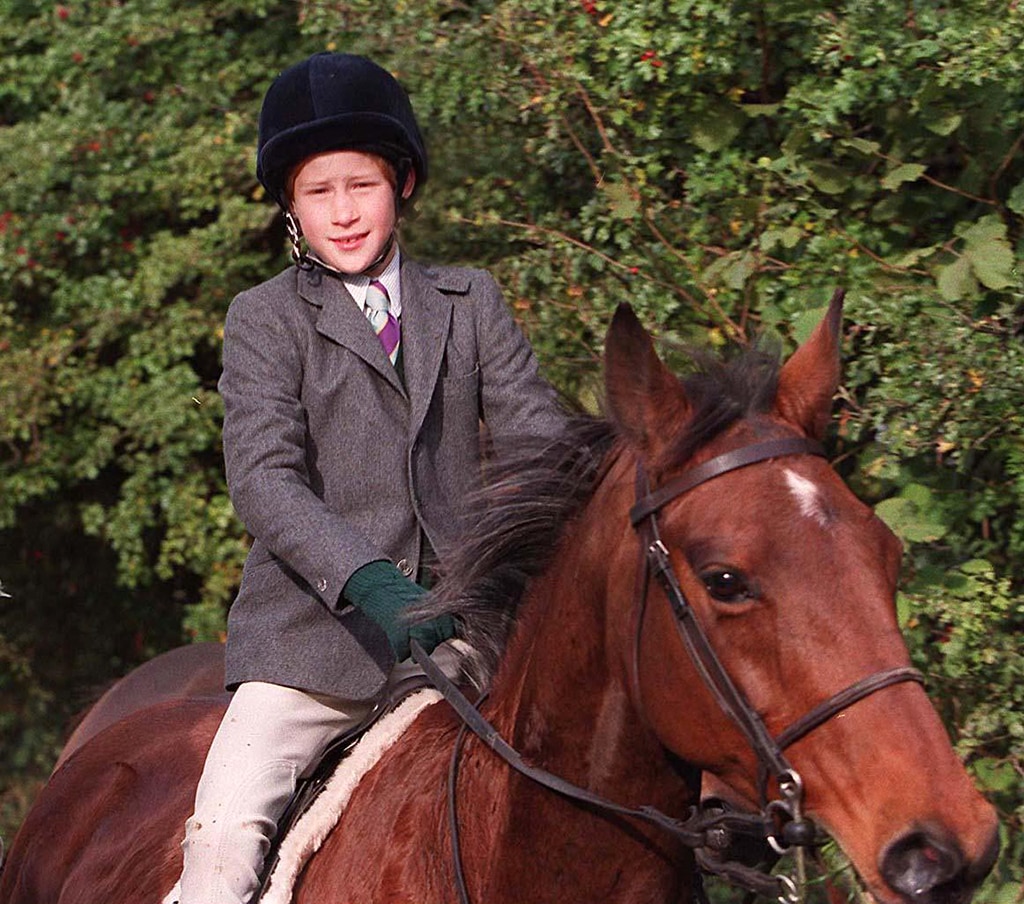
point(565, 699)
point(562, 697)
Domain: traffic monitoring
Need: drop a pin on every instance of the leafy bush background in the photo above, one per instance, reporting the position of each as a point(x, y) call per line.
point(723, 166)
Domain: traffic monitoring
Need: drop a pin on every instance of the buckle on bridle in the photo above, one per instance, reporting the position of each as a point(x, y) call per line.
point(785, 825)
point(657, 552)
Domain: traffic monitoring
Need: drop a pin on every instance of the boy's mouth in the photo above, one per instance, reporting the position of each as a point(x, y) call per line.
point(350, 242)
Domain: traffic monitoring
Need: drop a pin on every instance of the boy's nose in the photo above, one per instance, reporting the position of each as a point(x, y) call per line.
point(344, 210)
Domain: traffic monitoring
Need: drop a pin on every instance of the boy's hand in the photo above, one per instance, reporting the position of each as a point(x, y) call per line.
point(432, 633)
point(384, 594)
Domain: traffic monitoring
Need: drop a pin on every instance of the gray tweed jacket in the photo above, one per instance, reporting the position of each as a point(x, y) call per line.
point(333, 463)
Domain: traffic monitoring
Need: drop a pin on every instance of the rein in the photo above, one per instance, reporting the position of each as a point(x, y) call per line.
point(701, 830)
point(781, 822)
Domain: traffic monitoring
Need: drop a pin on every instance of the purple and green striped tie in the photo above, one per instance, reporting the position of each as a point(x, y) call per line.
point(383, 321)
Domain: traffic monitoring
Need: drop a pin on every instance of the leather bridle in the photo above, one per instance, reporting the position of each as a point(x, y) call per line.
point(796, 829)
point(782, 821)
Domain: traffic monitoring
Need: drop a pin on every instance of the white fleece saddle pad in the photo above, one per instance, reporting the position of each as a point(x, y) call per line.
point(312, 828)
point(306, 836)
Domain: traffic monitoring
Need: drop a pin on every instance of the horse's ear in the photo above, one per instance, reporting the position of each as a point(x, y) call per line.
point(641, 392)
point(809, 379)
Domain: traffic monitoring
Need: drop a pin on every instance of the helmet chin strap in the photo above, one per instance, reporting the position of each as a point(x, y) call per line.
point(299, 255)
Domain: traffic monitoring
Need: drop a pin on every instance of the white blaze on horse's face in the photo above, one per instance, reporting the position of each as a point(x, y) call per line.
point(808, 497)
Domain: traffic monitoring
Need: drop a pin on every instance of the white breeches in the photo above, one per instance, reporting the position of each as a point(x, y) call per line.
point(270, 737)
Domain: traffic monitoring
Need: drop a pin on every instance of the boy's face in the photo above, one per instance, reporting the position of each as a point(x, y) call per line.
point(345, 203)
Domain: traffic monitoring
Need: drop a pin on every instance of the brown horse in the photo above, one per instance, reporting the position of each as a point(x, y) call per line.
point(596, 673)
point(193, 671)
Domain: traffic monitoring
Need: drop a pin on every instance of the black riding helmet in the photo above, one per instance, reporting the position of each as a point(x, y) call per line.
point(335, 102)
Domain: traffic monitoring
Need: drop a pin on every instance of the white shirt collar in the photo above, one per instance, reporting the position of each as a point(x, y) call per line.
point(391, 280)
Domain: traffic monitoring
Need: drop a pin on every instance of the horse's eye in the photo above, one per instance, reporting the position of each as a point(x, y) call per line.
point(727, 585)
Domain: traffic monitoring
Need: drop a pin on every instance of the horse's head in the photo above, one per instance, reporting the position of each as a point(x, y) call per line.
point(792, 581)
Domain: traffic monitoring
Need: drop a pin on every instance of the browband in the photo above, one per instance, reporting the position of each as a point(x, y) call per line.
point(720, 464)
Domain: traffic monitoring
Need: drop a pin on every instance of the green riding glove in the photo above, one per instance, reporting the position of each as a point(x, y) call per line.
point(384, 594)
point(433, 633)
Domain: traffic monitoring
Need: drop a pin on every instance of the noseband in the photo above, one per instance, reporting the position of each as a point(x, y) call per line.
point(782, 821)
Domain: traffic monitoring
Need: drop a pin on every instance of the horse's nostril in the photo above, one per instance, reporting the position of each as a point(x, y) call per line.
point(919, 863)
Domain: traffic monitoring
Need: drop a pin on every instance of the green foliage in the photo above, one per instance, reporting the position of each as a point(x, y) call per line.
point(128, 222)
point(23, 709)
point(723, 167)
point(965, 625)
point(129, 216)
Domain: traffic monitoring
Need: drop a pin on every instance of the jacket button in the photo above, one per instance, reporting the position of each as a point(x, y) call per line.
point(404, 567)
point(321, 585)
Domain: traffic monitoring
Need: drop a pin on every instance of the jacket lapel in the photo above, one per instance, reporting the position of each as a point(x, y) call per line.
point(341, 321)
point(426, 319)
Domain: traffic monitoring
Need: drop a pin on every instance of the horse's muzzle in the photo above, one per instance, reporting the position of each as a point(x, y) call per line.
point(928, 867)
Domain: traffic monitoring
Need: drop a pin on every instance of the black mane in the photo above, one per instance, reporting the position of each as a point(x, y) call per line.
point(530, 494)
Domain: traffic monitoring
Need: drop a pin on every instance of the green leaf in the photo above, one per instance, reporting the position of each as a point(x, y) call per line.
point(945, 125)
point(805, 323)
point(622, 202)
point(1016, 200)
point(905, 172)
point(989, 253)
point(787, 236)
point(716, 128)
point(995, 775)
point(978, 566)
point(904, 609)
point(829, 178)
point(910, 520)
point(957, 280)
point(870, 148)
point(914, 256)
point(731, 270)
point(988, 229)
point(992, 263)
